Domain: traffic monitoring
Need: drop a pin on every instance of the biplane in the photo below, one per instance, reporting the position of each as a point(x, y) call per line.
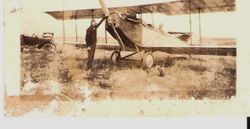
point(126, 25)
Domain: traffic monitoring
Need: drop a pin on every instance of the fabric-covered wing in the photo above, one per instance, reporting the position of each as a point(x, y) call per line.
point(77, 14)
point(177, 7)
point(181, 7)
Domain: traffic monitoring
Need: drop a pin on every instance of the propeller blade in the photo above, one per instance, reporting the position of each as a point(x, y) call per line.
point(118, 36)
point(104, 8)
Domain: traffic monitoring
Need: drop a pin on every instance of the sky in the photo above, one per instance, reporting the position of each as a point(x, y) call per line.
point(35, 21)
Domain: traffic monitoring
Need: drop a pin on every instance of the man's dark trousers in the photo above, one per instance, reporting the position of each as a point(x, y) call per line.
point(91, 54)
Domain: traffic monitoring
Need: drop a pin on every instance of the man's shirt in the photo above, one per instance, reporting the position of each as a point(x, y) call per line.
point(91, 34)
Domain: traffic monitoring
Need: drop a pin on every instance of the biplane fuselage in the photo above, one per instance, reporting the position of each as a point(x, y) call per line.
point(134, 31)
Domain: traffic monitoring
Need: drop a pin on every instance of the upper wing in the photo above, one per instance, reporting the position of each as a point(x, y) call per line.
point(177, 7)
point(185, 6)
point(77, 14)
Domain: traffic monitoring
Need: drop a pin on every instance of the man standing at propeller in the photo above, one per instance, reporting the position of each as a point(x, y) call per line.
point(91, 40)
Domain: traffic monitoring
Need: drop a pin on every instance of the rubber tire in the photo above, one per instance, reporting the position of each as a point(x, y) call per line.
point(115, 56)
point(49, 47)
point(148, 60)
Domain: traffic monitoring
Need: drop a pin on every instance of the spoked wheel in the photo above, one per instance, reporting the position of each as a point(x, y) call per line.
point(115, 56)
point(49, 47)
point(148, 60)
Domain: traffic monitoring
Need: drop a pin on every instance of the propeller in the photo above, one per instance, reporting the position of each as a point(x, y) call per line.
point(104, 8)
point(107, 13)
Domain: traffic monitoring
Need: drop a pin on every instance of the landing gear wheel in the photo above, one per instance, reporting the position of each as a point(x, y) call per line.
point(148, 60)
point(49, 47)
point(115, 56)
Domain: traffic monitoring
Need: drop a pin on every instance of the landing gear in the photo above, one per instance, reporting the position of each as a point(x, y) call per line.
point(115, 56)
point(147, 60)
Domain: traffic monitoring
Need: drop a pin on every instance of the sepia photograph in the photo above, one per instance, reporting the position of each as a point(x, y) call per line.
point(120, 58)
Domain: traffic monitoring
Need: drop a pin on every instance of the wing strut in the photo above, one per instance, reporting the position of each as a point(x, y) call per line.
point(63, 30)
point(152, 17)
point(190, 23)
point(200, 25)
point(140, 12)
point(76, 30)
point(63, 23)
point(92, 13)
point(76, 26)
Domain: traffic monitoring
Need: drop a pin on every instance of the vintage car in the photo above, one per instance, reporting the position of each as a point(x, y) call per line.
point(46, 42)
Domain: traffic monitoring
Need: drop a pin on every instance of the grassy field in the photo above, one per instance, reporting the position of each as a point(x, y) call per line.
point(173, 76)
point(49, 78)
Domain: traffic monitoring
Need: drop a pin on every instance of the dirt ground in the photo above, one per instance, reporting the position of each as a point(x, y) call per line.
point(49, 78)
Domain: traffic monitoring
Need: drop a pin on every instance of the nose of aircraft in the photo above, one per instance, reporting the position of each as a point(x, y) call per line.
point(114, 19)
